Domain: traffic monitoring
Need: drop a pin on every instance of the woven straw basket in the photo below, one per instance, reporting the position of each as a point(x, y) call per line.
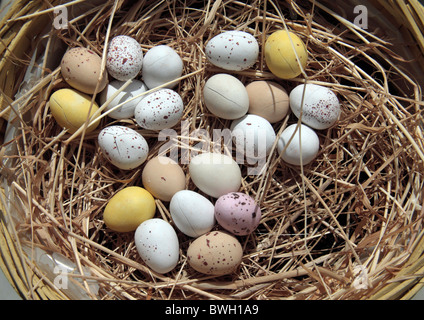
point(349, 225)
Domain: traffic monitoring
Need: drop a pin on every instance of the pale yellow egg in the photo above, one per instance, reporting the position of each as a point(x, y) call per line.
point(281, 49)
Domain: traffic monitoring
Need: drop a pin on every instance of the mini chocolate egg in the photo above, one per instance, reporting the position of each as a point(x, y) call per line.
point(71, 109)
point(123, 147)
point(192, 213)
point(81, 68)
point(253, 135)
point(237, 213)
point(268, 99)
point(321, 108)
point(161, 109)
point(215, 174)
point(126, 111)
point(232, 50)
point(161, 65)
point(157, 244)
point(124, 58)
point(128, 208)
point(225, 96)
point(281, 49)
point(296, 151)
point(215, 253)
point(163, 177)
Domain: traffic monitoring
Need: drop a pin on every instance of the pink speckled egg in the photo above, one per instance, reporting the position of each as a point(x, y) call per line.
point(321, 108)
point(159, 110)
point(123, 147)
point(237, 213)
point(124, 58)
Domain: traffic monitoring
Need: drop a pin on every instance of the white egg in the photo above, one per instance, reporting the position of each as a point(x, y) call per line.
point(192, 213)
point(253, 136)
point(161, 109)
point(157, 244)
point(321, 108)
point(123, 147)
point(161, 64)
point(125, 111)
point(306, 149)
point(233, 50)
point(225, 96)
point(215, 174)
point(124, 58)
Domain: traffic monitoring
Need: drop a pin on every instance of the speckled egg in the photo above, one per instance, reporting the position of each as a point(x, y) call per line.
point(321, 108)
point(126, 111)
point(123, 147)
point(124, 58)
point(81, 68)
point(161, 65)
point(71, 109)
point(163, 177)
point(232, 50)
point(268, 99)
point(215, 253)
point(159, 110)
point(253, 135)
point(225, 96)
point(296, 150)
point(282, 51)
point(192, 213)
point(157, 244)
point(215, 174)
point(128, 208)
point(237, 213)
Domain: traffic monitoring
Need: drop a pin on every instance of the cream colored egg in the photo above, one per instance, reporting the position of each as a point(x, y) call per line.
point(215, 253)
point(128, 208)
point(163, 177)
point(268, 99)
point(81, 69)
point(215, 174)
point(71, 109)
point(225, 96)
point(285, 54)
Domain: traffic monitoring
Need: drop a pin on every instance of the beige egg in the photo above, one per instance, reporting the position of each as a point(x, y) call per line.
point(268, 99)
point(163, 177)
point(81, 69)
point(215, 253)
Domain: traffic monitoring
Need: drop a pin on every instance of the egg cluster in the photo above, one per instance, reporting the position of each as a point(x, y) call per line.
point(252, 109)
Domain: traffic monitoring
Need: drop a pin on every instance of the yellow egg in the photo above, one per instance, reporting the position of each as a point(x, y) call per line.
point(280, 56)
point(71, 108)
point(128, 208)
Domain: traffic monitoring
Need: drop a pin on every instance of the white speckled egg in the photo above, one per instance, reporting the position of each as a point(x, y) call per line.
point(161, 64)
point(124, 58)
point(306, 149)
point(215, 174)
point(233, 50)
point(123, 147)
point(159, 110)
point(237, 213)
point(321, 108)
point(225, 96)
point(157, 244)
point(125, 111)
point(253, 136)
point(192, 213)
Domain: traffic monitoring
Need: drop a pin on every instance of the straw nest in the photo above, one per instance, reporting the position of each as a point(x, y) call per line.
point(342, 227)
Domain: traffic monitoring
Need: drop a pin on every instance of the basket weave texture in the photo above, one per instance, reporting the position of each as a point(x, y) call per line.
point(347, 226)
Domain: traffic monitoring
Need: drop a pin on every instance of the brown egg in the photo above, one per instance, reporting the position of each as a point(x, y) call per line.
point(268, 100)
point(163, 177)
point(216, 253)
point(81, 68)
